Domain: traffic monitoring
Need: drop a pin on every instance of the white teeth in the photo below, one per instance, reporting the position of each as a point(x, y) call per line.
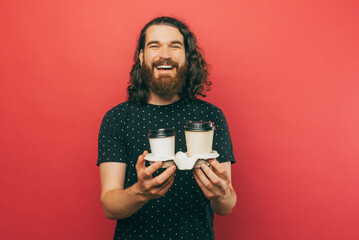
point(164, 67)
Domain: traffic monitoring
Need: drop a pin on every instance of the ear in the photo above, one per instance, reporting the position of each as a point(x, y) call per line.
point(140, 56)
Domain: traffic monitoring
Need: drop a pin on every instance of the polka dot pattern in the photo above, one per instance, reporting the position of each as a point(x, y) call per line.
point(183, 212)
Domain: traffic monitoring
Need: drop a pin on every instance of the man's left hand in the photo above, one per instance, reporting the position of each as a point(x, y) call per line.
point(215, 182)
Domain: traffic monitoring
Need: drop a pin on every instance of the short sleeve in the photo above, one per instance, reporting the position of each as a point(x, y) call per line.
point(222, 142)
point(110, 140)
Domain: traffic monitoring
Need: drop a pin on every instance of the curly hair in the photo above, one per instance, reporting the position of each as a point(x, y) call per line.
point(197, 71)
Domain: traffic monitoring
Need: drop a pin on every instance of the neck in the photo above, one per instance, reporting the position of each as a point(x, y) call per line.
point(157, 100)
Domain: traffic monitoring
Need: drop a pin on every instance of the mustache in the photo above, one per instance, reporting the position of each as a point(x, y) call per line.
point(165, 62)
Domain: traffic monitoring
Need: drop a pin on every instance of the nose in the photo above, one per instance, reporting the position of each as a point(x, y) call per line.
point(165, 53)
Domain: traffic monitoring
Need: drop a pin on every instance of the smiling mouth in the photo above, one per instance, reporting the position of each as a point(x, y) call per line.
point(164, 67)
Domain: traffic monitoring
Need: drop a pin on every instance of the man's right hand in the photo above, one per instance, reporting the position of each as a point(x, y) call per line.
point(149, 187)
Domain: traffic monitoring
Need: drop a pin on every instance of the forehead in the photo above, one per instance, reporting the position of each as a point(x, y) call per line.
point(163, 34)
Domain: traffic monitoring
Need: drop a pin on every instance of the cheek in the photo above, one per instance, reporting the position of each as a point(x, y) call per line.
point(148, 60)
point(184, 56)
point(183, 59)
point(148, 56)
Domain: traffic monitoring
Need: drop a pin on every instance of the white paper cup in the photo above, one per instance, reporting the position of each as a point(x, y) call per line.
point(162, 142)
point(199, 137)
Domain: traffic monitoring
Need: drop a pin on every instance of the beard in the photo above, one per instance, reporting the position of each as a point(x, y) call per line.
point(165, 86)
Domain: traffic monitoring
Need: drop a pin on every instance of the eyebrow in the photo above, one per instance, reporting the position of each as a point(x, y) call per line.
point(172, 42)
point(177, 42)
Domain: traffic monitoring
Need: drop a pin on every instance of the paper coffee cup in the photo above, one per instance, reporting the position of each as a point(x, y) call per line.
point(199, 137)
point(162, 142)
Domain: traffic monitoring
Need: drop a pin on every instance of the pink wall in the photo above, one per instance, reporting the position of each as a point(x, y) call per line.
point(286, 74)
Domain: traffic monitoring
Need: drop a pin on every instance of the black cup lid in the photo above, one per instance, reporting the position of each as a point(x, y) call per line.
point(161, 133)
point(199, 126)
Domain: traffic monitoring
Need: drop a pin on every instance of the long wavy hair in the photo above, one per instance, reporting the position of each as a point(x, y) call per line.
point(197, 71)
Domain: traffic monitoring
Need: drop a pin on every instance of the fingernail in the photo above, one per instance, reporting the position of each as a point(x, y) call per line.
point(204, 166)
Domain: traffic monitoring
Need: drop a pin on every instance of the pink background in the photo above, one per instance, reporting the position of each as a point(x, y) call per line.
point(285, 73)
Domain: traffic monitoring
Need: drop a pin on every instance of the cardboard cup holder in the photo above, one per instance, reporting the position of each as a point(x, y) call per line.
point(182, 161)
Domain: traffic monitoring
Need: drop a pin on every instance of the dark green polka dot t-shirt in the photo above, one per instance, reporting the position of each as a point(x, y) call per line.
point(183, 212)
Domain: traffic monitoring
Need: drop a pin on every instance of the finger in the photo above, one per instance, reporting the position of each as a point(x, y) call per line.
point(215, 180)
point(160, 190)
point(205, 190)
point(141, 161)
point(218, 169)
point(160, 179)
point(155, 183)
point(147, 173)
point(167, 185)
point(206, 182)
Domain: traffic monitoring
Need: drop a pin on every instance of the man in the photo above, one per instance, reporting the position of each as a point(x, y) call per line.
point(150, 202)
